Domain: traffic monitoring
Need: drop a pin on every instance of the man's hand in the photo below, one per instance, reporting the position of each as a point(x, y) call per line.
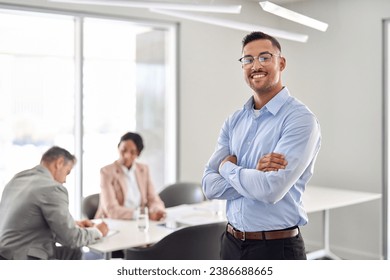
point(157, 215)
point(271, 162)
point(84, 223)
point(230, 158)
point(103, 228)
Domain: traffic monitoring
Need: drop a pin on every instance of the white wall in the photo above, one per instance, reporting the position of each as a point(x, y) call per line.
point(338, 74)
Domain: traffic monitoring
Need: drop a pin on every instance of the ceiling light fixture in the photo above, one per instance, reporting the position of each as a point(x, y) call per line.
point(236, 25)
point(232, 9)
point(293, 16)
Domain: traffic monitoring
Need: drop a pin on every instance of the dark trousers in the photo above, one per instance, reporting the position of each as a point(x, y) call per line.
point(66, 253)
point(61, 253)
point(277, 249)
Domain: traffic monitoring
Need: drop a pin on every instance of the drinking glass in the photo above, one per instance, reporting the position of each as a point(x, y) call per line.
point(142, 216)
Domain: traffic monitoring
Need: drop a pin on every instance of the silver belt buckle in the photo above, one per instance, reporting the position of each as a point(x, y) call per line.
point(243, 236)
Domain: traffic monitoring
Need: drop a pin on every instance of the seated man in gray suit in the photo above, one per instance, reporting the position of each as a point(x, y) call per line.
point(34, 213)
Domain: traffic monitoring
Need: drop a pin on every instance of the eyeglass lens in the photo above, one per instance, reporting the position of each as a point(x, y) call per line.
point(264, 59)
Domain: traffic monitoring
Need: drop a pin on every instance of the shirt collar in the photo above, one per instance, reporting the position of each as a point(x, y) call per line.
point(274, 105)
point(126, 170)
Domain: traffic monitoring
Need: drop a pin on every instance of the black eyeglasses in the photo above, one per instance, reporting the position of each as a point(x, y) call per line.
point(264, 59)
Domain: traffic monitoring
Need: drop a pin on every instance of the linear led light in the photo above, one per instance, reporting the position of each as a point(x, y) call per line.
point(236, 25)
point(230, 9)
point(293, 16)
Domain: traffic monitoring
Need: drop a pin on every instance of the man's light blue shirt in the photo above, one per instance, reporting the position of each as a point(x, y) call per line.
point(257, 200)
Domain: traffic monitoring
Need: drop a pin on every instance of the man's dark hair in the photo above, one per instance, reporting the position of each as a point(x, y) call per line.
point(56, 152)
point(136, 138)
point(257, 35)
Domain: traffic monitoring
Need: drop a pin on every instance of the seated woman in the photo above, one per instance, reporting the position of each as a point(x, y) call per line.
point(126, 184)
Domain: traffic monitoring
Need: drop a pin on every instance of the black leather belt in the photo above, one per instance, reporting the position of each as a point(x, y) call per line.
point(262, 235)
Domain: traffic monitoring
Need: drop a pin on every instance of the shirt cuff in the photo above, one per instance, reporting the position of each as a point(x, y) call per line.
point(226, 169)
point(97, 235)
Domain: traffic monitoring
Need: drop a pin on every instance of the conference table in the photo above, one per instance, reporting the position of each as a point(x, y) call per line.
point(125, 234)
point(317, 198)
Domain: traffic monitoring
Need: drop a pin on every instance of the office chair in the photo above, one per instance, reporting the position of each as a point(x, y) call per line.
point(89, 208)
point(90, 205)
point(200, 242)
point(182, 193)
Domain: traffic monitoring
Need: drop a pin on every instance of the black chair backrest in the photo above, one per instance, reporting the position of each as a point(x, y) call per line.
point(182, 193)
point(90, 205)
point(201, 242)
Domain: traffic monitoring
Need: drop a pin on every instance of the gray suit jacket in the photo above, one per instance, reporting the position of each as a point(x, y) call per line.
point(34, 214)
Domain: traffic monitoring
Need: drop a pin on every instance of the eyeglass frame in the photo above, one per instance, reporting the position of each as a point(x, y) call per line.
point(258, 58)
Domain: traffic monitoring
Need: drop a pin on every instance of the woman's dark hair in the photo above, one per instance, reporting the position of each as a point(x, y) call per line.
point(136, 138)
point(257, 35)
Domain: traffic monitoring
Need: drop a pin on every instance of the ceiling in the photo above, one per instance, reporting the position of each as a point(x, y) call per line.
point(280, 2)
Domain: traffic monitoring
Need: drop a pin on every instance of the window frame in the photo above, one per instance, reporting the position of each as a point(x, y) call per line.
point(171, 99)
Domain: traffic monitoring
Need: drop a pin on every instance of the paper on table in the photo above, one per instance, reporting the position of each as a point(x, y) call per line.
point(111, 232)
point(193, 219)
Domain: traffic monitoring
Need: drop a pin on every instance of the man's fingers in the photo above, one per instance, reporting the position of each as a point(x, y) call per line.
point(271, 162)
point(273, 158)
point(274, 155)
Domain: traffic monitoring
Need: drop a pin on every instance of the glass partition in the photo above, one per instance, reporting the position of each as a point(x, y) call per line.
point(80, 83)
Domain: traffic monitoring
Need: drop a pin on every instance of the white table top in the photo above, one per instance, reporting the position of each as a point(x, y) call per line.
point(316, 198)
point(128, 236)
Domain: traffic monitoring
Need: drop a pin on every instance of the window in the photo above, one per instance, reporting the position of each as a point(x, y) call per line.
point(82, 91)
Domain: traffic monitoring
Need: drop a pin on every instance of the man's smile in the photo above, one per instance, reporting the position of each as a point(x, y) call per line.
point(258, 75)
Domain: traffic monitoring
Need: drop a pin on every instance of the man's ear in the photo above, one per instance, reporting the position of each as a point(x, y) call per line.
point(59, 163)
point(282, 63)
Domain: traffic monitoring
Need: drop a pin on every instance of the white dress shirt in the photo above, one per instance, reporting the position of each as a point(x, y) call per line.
point(133, 197)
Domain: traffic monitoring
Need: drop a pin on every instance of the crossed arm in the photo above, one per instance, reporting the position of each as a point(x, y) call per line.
point(269, 162)
point(216, 187)
point(225, 178)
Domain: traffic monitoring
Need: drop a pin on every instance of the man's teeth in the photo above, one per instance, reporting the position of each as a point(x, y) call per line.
point(258, 76)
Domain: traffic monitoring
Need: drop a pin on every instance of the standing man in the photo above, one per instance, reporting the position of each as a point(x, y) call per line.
point(34, 213)
point(263, 161)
